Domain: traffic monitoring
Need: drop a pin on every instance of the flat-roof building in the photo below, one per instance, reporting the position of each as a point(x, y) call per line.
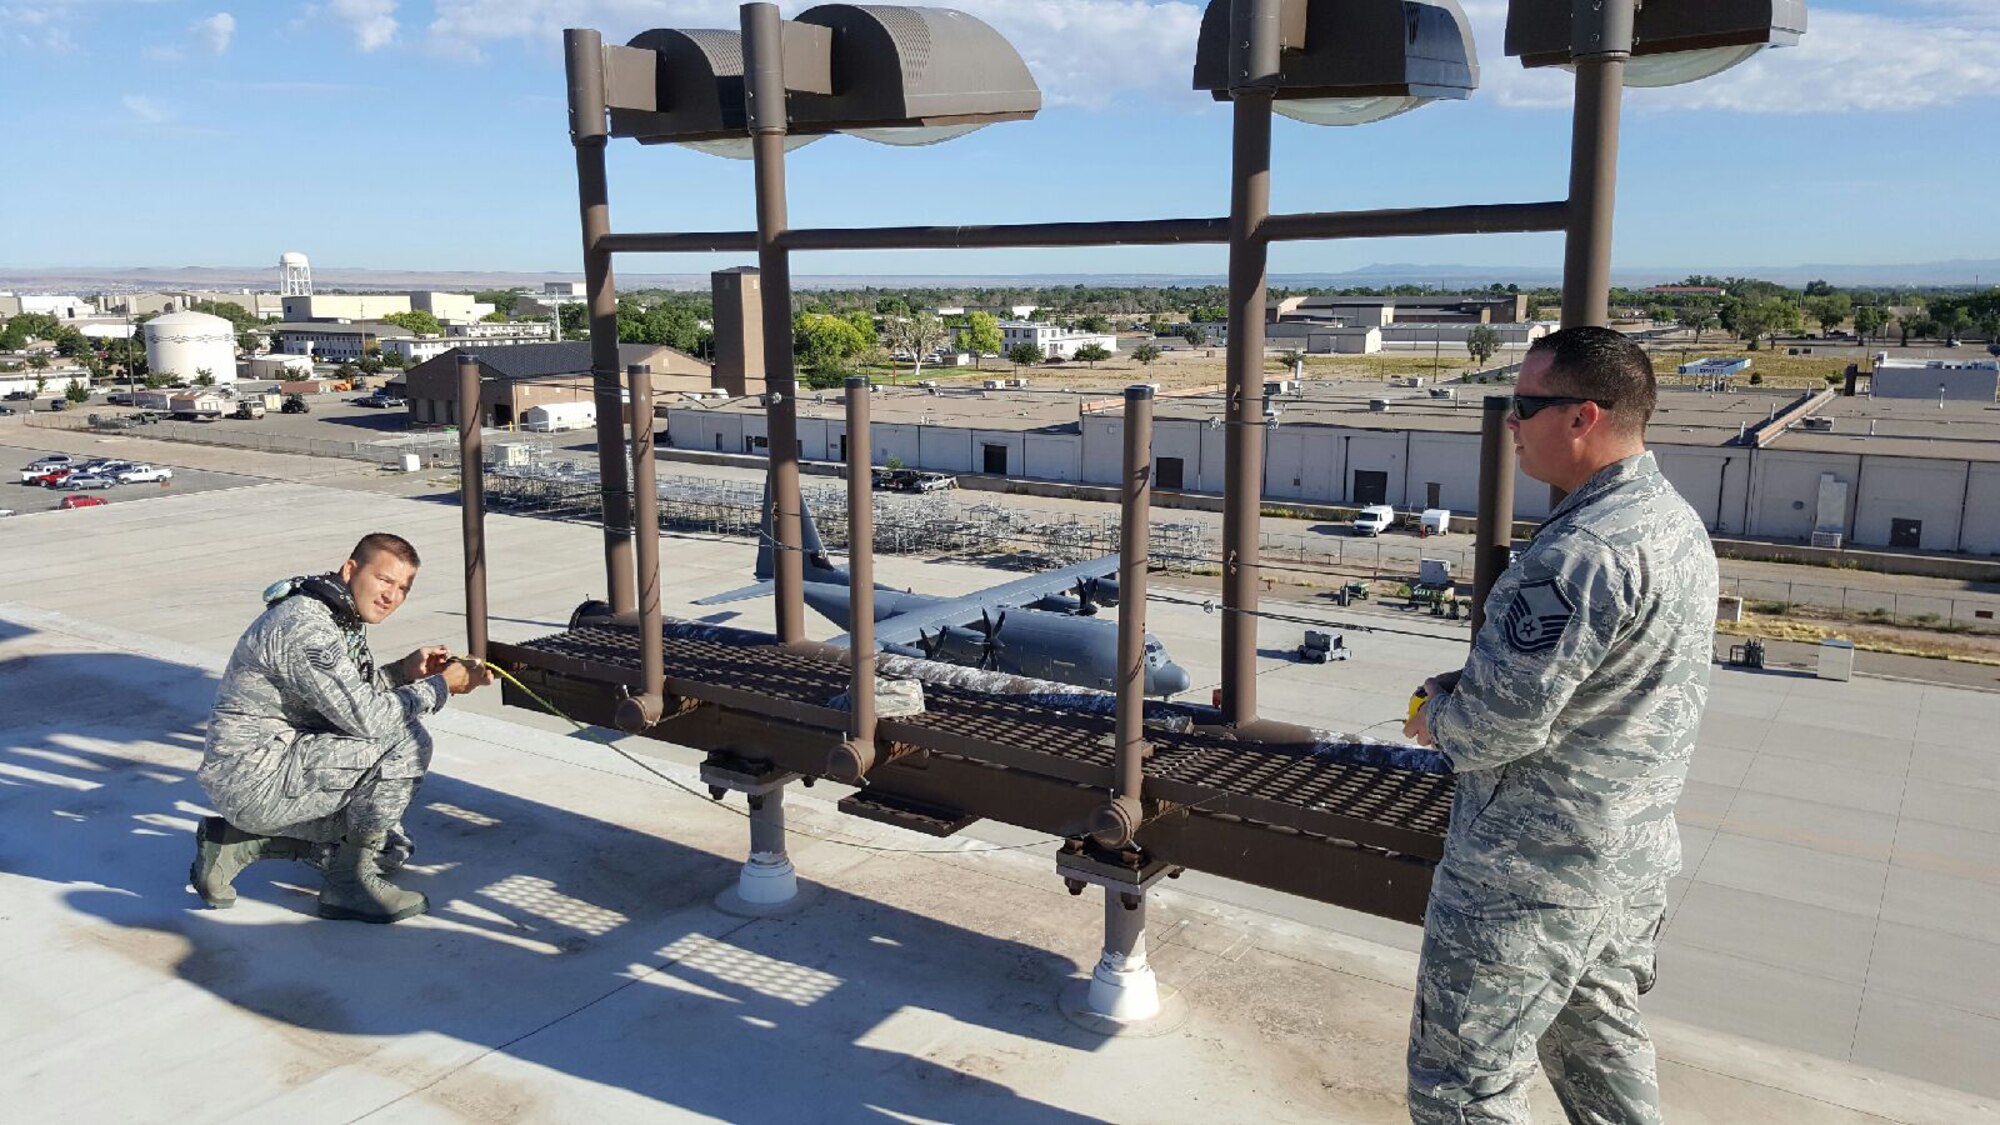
point(1950, 380)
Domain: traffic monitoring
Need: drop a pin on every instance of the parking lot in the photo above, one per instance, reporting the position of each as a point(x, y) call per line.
point(23, 499)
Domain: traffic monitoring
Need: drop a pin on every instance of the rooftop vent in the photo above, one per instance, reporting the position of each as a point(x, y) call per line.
point(1818, 425)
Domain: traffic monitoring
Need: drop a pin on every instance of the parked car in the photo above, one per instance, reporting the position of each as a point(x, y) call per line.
point(18, 396)
point(146, 474)
point(90, 482)
point(56, 406)
point(41, 465)
point(6, 410)
point(69, 502)
point(118, 398)
point(913, 480)
point(5, 512)
point(294, 404)
point(1374, 519)
point(53, 478)
point(376, 401)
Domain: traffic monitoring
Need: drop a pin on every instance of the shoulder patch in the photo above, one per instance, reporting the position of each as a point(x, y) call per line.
point(1538, 616)
point(322, 658)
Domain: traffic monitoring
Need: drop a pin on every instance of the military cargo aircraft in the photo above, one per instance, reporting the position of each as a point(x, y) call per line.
point(1045, 626)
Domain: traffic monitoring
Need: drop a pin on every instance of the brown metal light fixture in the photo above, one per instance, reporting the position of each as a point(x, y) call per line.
point(896, 75)
point(1346, 62)
point(1669, 43)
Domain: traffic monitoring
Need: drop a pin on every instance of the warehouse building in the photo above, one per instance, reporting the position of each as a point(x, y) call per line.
point(517, 377)
point(1894, 474)
point(1949, 380)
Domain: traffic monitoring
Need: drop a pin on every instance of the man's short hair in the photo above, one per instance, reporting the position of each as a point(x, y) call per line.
point(383, 543)
point(1591, 362)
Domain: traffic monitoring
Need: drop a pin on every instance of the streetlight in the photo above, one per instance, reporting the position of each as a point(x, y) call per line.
point(890, 74)
point(1327, 62)
point(1611, 44)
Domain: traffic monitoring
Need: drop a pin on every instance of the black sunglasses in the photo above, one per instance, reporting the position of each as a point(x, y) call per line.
point(1527, 406)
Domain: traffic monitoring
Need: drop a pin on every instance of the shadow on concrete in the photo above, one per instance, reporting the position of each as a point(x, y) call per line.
point(389, 421)
point(556, 938)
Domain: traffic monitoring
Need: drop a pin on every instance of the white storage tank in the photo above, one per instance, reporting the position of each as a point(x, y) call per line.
point(183, 345)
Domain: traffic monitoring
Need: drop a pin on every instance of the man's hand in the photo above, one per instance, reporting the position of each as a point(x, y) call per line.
point(462, 676)
point(1418, 728)
point(426, 661)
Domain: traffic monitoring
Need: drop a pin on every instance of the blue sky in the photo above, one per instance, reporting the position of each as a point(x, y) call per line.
point(429, 134)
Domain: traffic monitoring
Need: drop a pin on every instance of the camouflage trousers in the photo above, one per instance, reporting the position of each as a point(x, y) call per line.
point(1503, 984)
point(319, 786)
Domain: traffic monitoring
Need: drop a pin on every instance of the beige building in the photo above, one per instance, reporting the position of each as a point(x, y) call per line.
point(344, 306)
point(449, 308)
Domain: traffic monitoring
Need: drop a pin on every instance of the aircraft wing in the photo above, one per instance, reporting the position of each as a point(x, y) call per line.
point(904, 628)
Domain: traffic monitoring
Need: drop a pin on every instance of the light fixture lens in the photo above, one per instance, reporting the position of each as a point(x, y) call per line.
point(912, 135)
point(1678, 67)
point(1345, 111)
point(740, 148)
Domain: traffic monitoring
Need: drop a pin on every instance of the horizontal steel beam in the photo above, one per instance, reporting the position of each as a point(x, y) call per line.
point(1496, 218)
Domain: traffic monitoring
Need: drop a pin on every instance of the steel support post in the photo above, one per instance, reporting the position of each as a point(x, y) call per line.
point(638, 712)
point(768, 878)
point(1253, 64)
point(855, 757)
point(584, 58)
point(1494, 536)
point(472, 504)
point(1123, 986)
point(1601, 41)
point(1117, 823)
point(764, 98)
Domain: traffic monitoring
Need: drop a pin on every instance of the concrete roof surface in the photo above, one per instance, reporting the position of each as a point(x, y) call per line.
point(1841, 876)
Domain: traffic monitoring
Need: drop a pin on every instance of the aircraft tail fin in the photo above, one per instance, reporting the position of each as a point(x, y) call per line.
point(817, 560)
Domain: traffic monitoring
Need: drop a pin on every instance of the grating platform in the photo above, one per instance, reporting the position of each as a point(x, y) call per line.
point(1406, 809)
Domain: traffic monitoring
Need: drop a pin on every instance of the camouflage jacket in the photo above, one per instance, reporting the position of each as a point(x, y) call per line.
point(304, 666)
point(1574, 720)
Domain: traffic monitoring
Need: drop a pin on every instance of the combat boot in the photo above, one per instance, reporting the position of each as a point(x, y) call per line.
point(352, 890)
point(222, 851)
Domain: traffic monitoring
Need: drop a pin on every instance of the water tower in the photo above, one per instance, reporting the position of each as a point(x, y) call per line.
point(295, 276)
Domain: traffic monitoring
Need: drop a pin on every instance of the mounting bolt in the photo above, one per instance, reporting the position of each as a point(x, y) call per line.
point(1075, 886)
point(756, 804)
point(1175, 872)
point(808, 780)
point(715, 792)
point(1129, 901)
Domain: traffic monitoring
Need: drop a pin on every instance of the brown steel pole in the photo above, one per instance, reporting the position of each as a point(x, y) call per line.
point(1117, 822)
point(764, 98)
point(584, 55)
point(856, 756)
point(1495, 531)
point(1601, 41)
point(637, 713)
point(1253, 73)
point(472, 504)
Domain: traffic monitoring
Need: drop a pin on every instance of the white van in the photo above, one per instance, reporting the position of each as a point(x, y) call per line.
point(1374, 519)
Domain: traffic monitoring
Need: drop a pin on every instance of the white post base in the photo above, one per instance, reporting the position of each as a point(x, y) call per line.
point(767, 880)
point(1124, 988)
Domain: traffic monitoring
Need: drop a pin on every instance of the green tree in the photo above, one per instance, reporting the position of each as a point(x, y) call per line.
point(1194, 335)
point(1951, 319)
point(1091, 353)
point(865, 325)
point(1146, 354)
point(1868, 320)
point(1482, 343)
point(38, 361)
point(822, 341)
point(13, 336)
point(1024, 354)
point(372, 364)
point(982, 336)
point(504, 301)
point(417, 321)
point(247, 342)
point(495, 317)
point(892, 306)
point(238, 317)
point(70, 343)
point(1697, 316)
point(917, 336)
point(1766, 317)
point(1157, 325)
point(572, 321)
point(76, 392)
point(204, 377)
point(1830, 310)
point(1094, 323)
point(41, 383)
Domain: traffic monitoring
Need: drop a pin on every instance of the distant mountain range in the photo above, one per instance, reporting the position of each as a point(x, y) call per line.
point(1964, 271)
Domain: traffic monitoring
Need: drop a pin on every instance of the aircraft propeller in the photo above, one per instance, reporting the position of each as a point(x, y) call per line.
point(989, 653)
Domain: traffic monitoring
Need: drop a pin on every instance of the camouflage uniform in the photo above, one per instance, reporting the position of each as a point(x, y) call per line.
point(1570, 730)
point(308, 740)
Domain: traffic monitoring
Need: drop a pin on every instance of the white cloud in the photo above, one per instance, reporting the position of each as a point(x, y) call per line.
point(373, 22)
point(1090, 52)
point(216, 31)
point(1934, 53)
point(147, 110)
